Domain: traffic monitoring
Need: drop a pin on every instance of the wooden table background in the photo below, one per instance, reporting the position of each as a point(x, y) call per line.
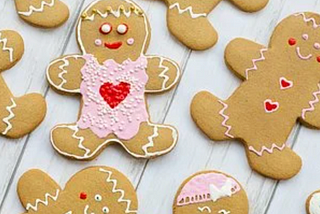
point(156, 180)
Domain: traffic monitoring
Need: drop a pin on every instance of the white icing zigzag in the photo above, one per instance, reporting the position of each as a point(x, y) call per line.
point(115, 190)
point(254, 62)
point(9, 117)
point(116, 13)
point(60, 75)
point(311, 103)
point(188, 9)
point(6, 48)
point(44, 202)
point(150, 138)
point(81, 139)
point(32, 9)
point(305, 19)
point(163, 73)
point(270, 151)
point(226, 118)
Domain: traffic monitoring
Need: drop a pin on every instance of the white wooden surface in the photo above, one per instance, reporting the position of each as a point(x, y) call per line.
point(157, 180)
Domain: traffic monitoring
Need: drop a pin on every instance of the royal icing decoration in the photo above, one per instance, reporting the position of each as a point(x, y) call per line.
point(314, 204)
point(11, 115)
point(188, 9)
point(45, 201)
point(311, 103)
point(285, 83)
point(255, 61)
point(4, 41)
point(122, 29)
point(307, 20)
point(270, 106)
point(98, 42)
point(226, 118)
point(265, 149)
point(204, 209)
point(130, 41)
point(33, 9)
point(307, 57)
point(224, 212)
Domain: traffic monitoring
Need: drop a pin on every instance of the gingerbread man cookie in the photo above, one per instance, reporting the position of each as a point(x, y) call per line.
point(43, 13)
point(188, 21)
point(113, 75)
point(92, 190)
point(313, 203)
point(211, 192)
point(281, 86)
point(19, 115)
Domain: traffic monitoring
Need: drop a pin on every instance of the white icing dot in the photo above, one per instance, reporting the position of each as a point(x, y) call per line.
point(316, 45)
point(105, 210)
point(122, 29)
point(130, 41)
point(98, 197)
point(305, 36)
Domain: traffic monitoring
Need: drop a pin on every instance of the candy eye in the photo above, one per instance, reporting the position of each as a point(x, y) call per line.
point(316, 45)
point(105, 28)
point(122, 29)
point(305, 36)
point(105, 210)
point(292, 41)
point(98, 197)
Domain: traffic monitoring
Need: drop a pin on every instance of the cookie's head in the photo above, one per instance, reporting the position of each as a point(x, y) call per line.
point(100, 190)
point(211, 192)
point(113, 29)
point(298, 37)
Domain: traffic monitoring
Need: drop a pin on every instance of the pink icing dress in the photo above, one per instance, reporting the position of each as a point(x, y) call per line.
point(113, 97)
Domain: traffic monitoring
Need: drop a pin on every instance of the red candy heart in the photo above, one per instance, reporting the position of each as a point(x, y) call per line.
point(114, 94)
point(83, 195)
point(271, 106)
point(284, 83)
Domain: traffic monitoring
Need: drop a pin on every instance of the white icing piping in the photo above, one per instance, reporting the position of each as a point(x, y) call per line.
point(4, 41)
point(115, 13)
point(60, 75)
point(225, 191)
point(226, 118)
point(265, 149)
point(255, 61)
point(224, 212)
point(305, 19)
point(163, 74)
point(32, 9)
point(188, 9)
point(85, 211)
point(87, 156)
point(44, 202)
point(311, 103)
point(115, 190)
point(314, 207)
point(150, 138)
point(205, 208)
point(301, 56)
point(7, 119)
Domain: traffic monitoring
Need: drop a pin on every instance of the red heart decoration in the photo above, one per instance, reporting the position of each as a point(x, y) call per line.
point(114, 94)
point(284, 83)
point(271, 106)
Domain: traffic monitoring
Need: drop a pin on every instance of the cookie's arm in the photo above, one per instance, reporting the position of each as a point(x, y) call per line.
point(311, 115)
point(163, 74)
point(250, 5)
point(64, 73)
point(242, 56)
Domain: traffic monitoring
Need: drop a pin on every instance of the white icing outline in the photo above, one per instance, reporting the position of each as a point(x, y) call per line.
point(44, 202)
point(7, 119)
point(63, 71)
point(6, 48)
point(272, 103)
point(285, 79)
point(86, 156)
point(118, 190)
point(188, 9)
point(306, 20)
point(32, 9)
point(226, 118)
point(205, 208)
point(314, 207)
point(163, 74)
point(254, 62)
point(116, 14)
point(301, 56)
point(265, 149)
point(311, 103)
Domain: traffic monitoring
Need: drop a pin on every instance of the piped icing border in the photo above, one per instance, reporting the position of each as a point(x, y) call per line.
point(33, 9)
point(311, 103)
point(44, 202)
point(226, 118)
point(187, 9)
point(11, 115)
point(265, 149)
point(255, 61)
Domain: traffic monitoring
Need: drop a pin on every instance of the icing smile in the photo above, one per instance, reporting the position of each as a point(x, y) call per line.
point(113, 45)
point(301, 56)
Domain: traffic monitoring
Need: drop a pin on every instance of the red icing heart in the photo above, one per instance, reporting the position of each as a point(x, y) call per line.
point(271, 106)
point(114, 94)
point(284, 83)
point(83, 195)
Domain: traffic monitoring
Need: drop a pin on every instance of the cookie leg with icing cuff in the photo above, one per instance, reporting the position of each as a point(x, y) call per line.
point(249, 5)
point(184, 20)
point(210, 114)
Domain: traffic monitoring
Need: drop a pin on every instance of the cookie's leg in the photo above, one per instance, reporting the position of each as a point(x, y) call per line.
point(211, 116)
point(152, 140)
point(249, 5)
point(190, 25)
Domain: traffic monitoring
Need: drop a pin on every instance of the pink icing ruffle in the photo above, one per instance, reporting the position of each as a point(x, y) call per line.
point(123, 120)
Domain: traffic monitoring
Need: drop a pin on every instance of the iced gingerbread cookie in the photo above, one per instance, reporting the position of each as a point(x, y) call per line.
point(18, 115)
point(188, 21)
point(211, 192)
point(281, 86)
point(313, 203)
point(43, 13)
point(92, 190)
point(112, 75)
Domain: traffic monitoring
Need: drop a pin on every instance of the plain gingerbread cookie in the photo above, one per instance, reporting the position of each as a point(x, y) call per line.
point(43, 13)
point(92, 190)
point(112, 75)
point(188, 20)
point(19, 115)
point(281, 86)
point(211, 192)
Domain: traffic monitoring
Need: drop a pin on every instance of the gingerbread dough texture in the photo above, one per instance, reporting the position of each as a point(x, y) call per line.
point(188, 20)
point(313, 203)
point(19, 115)
point(92, 190)
point(43, 13)
point(112, 75)
point(211, 192)
point(280, 87)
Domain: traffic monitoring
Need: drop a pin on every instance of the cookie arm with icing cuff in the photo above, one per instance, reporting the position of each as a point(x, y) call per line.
point(64, 73)
point(242, 57)
point(249, 5)
point(163, 74)
point(310, 116)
